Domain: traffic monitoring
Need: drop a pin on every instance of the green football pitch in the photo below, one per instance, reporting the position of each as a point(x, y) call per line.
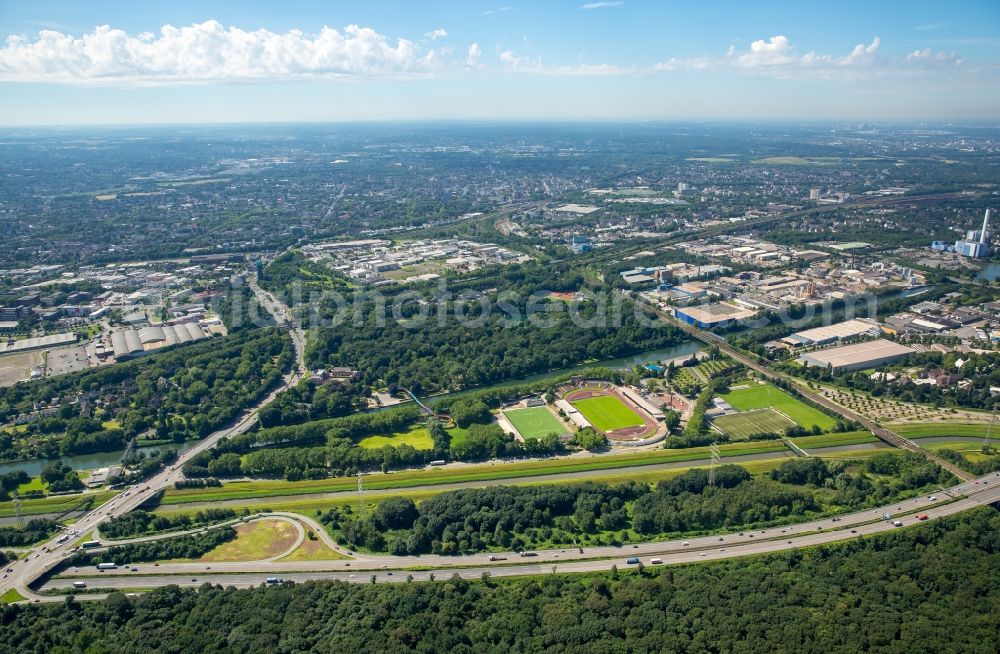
point(766, 396)
point(535, 422)
point(607, 413)
point(759, 421)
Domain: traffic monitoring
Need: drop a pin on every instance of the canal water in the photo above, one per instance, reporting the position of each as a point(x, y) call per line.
point(104, 459)
point(87, 461)
point(990, 272)
point(682, 350)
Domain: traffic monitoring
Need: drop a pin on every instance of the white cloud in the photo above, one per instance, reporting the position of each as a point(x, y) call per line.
point(209, 52)
point(436, 34)
point(778, 57)
point(513, 61)
point(600, 5)
point(498, 10)
point(474, 55)
point(773, 52)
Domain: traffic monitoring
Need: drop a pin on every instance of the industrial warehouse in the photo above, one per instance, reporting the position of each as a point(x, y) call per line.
point(833, 333)
point(715, 315)
point(858, 356)
point(130, 343)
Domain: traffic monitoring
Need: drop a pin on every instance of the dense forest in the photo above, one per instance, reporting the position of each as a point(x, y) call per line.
point(524, 517)
point(174, 395)
point(932, 588)
point(500, 325)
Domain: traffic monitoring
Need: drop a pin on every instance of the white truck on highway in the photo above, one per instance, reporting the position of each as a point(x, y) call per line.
point(106, 566)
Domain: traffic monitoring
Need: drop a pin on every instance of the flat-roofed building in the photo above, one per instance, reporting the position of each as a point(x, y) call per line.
point(859, 356)
point(833, 333)
point(714, 315)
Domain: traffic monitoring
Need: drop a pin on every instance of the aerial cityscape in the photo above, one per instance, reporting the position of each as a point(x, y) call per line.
point(467, 327)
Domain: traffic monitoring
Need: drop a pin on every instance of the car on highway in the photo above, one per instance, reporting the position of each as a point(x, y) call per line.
point(685, 543)
point(656, 561)
point(634, 560)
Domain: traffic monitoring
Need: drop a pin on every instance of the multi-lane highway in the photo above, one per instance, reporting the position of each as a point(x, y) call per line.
point(46, 556)
point(963, 497)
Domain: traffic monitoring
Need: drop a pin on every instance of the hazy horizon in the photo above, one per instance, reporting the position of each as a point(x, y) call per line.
point(101, 63)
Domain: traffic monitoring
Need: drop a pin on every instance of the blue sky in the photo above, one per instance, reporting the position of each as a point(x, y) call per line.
point(315, 61)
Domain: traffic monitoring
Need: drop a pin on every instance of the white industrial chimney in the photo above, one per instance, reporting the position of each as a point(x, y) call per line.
point(986, 223)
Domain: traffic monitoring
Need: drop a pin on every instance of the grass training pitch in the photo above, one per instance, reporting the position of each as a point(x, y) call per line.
point(741, 426)
point(766, 396)
point(535, 422)
point(418, 438)
point(608, 413)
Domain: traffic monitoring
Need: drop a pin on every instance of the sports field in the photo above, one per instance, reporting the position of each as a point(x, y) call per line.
point(607, 413)
point(418, 438)
point(741, 426)
point(766, 396)
point(535, 422)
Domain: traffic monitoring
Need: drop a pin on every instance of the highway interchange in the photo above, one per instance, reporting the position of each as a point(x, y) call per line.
point(21, 575)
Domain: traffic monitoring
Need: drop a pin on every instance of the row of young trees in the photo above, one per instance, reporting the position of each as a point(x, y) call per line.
point(182, 547)
point(142, 523)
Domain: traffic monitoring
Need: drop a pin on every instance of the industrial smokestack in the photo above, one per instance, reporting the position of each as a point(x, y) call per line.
point(986, 222)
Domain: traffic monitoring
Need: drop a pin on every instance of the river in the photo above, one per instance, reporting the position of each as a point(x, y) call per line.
point(86, 461)
point(681, 350)
point(990, 272)
point(103, 459)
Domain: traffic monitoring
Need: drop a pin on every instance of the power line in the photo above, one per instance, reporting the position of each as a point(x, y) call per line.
point(714, 449)
point(18, 511)
point(361, 495)
point(989, 431)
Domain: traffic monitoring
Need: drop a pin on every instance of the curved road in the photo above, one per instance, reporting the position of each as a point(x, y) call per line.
point(47, 555)
point(963, 497)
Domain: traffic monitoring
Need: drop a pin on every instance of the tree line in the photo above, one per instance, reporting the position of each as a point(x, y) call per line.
point(930, 588)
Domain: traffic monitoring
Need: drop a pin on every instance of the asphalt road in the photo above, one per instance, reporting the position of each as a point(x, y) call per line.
point(768, 372)
point(388, 569)
point(48, 555)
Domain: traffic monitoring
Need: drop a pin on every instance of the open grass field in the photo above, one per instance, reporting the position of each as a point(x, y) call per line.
point(10, 597)
point(313, 550)
point(35, 483)
point(459, 474)
point(835, 440)
point(943, 429)
point(309, 505)
point(763, 396)
point(742, 426)
point(965, 447)
point(608, 413)
point(52, 504)
point(257, 540)
point(857, 454)
point(17, 367)
point(418, 438)
point(535, 422)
